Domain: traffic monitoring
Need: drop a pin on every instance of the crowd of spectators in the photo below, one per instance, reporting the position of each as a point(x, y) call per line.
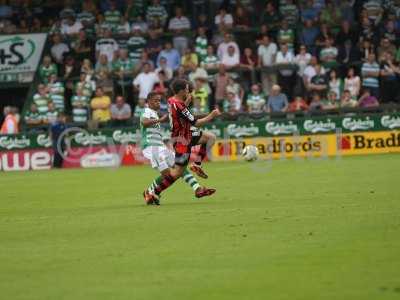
point(243, 56)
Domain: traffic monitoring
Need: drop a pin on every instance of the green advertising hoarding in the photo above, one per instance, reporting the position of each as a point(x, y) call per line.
point(228, 130)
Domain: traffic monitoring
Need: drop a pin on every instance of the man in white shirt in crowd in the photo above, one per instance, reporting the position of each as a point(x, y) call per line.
point(177, 26)
point(71, 26)
point(223, 47)
point(285, 63)
point(58, 49)
point(266, 58)
point(145, 81)
point(231, 59)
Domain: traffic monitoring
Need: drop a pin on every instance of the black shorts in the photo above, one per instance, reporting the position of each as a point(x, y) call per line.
point(182, 152)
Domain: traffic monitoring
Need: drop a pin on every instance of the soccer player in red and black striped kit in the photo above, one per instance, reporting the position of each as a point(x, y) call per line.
point(184, 135)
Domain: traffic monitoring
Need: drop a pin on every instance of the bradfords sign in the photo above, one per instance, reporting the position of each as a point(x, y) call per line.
point(20, 55)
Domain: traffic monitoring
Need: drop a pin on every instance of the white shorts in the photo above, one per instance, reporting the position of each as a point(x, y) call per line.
point(160, 157)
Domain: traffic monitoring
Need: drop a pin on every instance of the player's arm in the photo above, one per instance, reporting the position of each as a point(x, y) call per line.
point(207, 119)
point(150, 122)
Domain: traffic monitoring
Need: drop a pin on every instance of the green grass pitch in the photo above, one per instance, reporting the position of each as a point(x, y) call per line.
point(293, 229)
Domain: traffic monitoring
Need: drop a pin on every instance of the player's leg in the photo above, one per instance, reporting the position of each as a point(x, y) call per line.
point(206, 141)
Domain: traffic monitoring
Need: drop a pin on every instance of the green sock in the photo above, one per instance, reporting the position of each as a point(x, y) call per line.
point(155, 183)
point(190, 180)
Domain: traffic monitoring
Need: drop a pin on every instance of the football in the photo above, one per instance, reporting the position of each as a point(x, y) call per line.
point(250, 153)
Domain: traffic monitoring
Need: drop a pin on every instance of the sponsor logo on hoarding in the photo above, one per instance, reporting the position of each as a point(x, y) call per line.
point(125, 137)
point(43, 140)
point(319, 125)
point(25, 160)
point(354, 124)
point(10, 142)
point(391, 122)
point(371, 142)
point(242, 130)
point(101, 158)
point(86, 138)
point(214, 130)
point(277, 128)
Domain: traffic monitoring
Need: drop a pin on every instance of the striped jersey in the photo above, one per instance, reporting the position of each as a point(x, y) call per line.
point(370, 81)
point(201, 47)
point(41, 102)
point(156, 12)
point(135, 46)
point(151, 136)
point(79, 111)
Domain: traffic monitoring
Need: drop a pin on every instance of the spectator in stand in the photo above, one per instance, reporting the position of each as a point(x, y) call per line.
point(84, 47)
point(316, 103)
point(385, 47)
point(162, 86)
point(308, 35)
point(241, 18)
point(346, 33)
point(10, 123)
point(136, 44)
point(302, 60)
point(331, 15)
point(232, 104)
point(231, 59)
point(80, 104)
point(85, 84)
point(352, 83)
point(103, 65)
point(223, 47)
point(290, 12)
point(177, 26)
point(349, 54)
point(156, 11)
point(211, 61)
point(153, 45)
point(42, 99)
point(189, 60)
point(374, 10)
point(145, 81)
point(335, 84)
point(139, 108)
point(298, 104)
point(332, 102)
point(319, 83)
point(347, 101)
point(120, 112)
point(277, 102)
point(201, 43)
point(164, 68)
point(32, 117)
point(52, 113)
point(100, 105)
point(59, 49)
point(171, 55)
point(107, 46)
point(367, 100)
point(69, 70)
point(112, 16)
point(141, 23)
point(220, 83)
point(47, 68)
point(144, 59)
point(200, 98)
point(370, 72)
point(286, 73)
point(310, 71)
point(123, 73)
point(328, 55)
point(223, 20)
point(266, 58)
point(286, 35)
point(87, 67)
point(56, 92)
point(71, 27)
point(390, 73)
point(310, 12)
point(248, 61)
point(236, 87)
point(270, 16)
point(256, 100)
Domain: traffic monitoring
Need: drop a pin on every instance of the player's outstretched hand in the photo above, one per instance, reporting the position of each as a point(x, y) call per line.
point(164, 118)
point(216, 113)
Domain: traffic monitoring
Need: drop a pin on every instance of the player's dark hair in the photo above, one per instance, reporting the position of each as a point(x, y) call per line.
point(179, 85)
point(151, 95)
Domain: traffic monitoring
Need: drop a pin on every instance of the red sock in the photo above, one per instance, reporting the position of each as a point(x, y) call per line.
point(202, 153)
point(165, 182)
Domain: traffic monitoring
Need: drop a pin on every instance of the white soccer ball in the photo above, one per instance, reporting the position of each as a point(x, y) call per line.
point(250, 153)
